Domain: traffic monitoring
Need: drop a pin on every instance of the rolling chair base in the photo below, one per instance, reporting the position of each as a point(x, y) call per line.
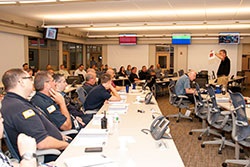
point(236, 161)
point(179, 116)
point(222, 142)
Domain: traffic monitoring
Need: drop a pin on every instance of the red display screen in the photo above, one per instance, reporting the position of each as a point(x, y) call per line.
point(127, 39)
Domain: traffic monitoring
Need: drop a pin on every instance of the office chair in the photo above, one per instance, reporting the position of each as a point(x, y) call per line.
point(241, 129)
point(82, 94)
point(178, 101)
point(181, 72)
point(40, 153)
point(165, 72)
point(220, 120)
point(200, 110)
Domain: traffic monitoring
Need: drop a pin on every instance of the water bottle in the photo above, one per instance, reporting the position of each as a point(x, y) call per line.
point(104, 121)
point(116, 118)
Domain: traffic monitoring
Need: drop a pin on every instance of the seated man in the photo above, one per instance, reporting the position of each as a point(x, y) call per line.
point(112, 74)
point(90, 82)
point(20, 116)
point(133, 76)
point(63, 71)
point(143, 74)
point(76, 113)
point(50, 101)
point(99, 94)
point(182, 86)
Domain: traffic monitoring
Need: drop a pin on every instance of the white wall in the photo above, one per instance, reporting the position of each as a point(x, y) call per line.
point(12, 52)
point(123, 55)
point(198, 57)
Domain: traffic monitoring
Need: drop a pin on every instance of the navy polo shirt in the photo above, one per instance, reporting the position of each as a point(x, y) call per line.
point(20, 116)
point(96, 98)
point(51, 109)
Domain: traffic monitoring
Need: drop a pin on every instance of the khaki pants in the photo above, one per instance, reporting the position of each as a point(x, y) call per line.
point(222, 80)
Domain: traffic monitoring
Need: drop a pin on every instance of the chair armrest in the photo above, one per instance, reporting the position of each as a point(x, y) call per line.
point(182, 97)
point(225, 113)
point(90, 112)
point(69, 132)
point(241, 123)
point(48, 151)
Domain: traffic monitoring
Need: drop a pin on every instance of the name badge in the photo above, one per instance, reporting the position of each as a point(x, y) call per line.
point(51, 109)
point(28, 113)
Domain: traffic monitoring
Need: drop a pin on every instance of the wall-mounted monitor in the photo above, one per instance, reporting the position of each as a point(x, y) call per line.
point(181, 39)
point(127, 39)
point(50, 33)
point(229, 38)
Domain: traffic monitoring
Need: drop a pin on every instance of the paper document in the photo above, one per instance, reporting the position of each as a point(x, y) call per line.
point(222, 99)
point(118, 108)
point(89, 160)
point(91, 137)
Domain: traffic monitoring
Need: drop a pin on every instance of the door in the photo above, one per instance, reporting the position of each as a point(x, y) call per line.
point(66, 60)
point(246, 67)
point(163, 59)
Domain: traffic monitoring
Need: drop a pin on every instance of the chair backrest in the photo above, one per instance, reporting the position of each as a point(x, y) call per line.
point(172, 94)
point(199, 104)
point(13, 152)
point(202, 80)
point(166, 72)
point(181, 72)
point(213, 111)
point(213, 75)
point(240, 121)
point(81, 94)
point(240, 73)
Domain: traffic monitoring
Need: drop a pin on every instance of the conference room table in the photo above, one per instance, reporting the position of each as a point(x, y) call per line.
point(124, 144)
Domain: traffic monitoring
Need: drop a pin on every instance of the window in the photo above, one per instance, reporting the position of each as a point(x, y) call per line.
point(72, 55)
point(43, 52)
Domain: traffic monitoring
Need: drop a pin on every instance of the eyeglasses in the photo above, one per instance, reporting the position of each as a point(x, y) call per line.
point(30, 78)
point(50, 80)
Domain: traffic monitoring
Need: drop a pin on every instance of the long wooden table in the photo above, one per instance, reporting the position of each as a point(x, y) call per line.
point(140, 148)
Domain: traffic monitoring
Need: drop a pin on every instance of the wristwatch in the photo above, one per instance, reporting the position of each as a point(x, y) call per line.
point(28, 156)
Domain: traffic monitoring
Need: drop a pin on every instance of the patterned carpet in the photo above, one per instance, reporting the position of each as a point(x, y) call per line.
point(189, 146)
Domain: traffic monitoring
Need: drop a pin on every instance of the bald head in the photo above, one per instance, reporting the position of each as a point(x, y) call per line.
point(192, 75)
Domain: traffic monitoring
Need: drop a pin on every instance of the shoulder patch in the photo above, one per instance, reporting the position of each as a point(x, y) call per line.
point(51, 109)
point(28, 113)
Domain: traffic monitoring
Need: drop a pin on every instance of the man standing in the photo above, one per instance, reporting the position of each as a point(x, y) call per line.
point(224, 68)
point(50, 101)
point(182, 86)
point(20, 116)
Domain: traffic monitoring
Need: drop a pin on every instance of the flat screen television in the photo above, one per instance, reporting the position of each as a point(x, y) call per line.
point(127, 39)
point(50, 33)
point(229, 38)
point(181, 39)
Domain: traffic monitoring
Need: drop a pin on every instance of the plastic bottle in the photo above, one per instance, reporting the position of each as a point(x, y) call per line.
point(104, 121)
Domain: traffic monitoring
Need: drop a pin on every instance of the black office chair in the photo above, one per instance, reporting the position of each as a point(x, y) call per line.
point(181, 72)
point(220, 120)
point(241, 129)
point(40, 153)
point(200, 110)
point(180, 102)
